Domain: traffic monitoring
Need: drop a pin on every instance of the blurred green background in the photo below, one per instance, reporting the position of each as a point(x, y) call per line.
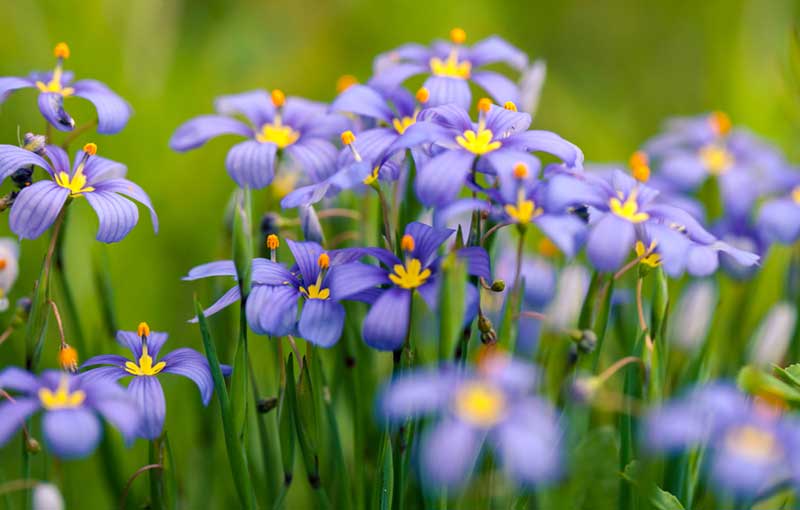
point(616, 69)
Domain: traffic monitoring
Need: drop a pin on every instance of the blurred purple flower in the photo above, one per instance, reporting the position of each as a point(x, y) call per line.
point(779, 219)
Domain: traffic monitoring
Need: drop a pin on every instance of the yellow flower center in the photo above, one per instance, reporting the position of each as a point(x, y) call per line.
point(478, 143)
point(796, 195)
point(62, 398)
point(716, 159)
point(75, 184)
point(411, 275)
point(400, 125)
point(277, 133)
point(451, 67)
point(145, 366)
point(753, 443)
point(315, 292)
point(54, 85)
point(629, 209)
point(480, 404)
point(524, 211)
point(648, 255)
point(372, 177)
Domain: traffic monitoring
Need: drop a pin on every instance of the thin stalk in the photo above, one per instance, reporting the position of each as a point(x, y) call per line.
point(75, 133)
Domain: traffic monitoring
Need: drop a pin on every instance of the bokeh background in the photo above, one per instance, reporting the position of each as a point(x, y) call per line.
point(616, 70)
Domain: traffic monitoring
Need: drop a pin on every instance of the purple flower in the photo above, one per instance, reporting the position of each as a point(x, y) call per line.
point(623, 212)
point(752, 445)
point(494, 404)
point(71, 409)
point(113, 112)
point(101, 181)
point(319, 280)
point(461, 148)
point(144, 388)
point(779, 219)
point(275, 125)
point(451, 66)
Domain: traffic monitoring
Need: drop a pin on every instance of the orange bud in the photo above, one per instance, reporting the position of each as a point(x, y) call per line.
point(348, 137)
point(324, 261)
point(90, 149)
point(509, 105)
point(61, 50)
point(344, 82)
point(520, 170)
point(720, 123)
point(278, 98)
point(407, 243)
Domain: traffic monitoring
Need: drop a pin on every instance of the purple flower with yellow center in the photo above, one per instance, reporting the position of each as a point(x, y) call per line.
point(71, 407)
point(275, 125)
point(386, 324)
point(451, 66)
point(752, 445)
point(145, 368)
point(101, 181)
point(113, 112)
point(320, 280)
point(495, 405)
point(624, 212)
point(779, 219)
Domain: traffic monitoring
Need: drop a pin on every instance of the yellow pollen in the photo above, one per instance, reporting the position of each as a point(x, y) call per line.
point(407, 243)
point(400, 125)
point(458, 35)
point(345, 82)
point(145, 366)
point(451, 67)
point(409, 276)
point(277, 133)
point(480, 404)
point(68, 358)
point(143, 330)
point(314, 292)
point(324, 261)
point(648, 255)
point(484, 104)
point(348, 137)
point(753, 442)
point(720, 123)
point(547, 248)
point(423, 95)
point(478, 143)
point(716, 159)
point(278, 98)
point(524, 211)
point(796, 195)
point(273, 242)
point(520, 171)
point(61, 50)
point(638, 158)
point(90, 149)
point(628, 210)
point(641, 173)
point(509, 105)
point(75, 184)
point(62, 398)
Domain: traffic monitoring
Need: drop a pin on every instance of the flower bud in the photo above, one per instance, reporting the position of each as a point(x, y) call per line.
point(498, 286)
point(32, 445)
point(309, 223)
point(34, 143)
point(46, 496)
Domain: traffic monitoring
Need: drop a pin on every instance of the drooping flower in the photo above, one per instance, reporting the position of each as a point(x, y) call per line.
point(113, 112)
point(451, 66)
point(9, 268)
point(101, 181)
point(319, 279)
point(71, 406)
point(624, 211)
point(145, 368)
point(462, 150)
point(495, 404)
point(275, 125)
point(779, 219)
point(751, 444)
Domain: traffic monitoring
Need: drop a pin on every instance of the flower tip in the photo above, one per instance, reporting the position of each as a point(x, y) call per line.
point(61, 50)
point(143, 330)
point(278, 98)
point(458, 35)
point(273, 242)
point(484, 104)
point(345, 82)
point(520, 171)
point(407, 243)
point(348, 137)
point(90, 149)
point(324, 261)
point(641, 173)
point(68, 358)
point(423, 95)
point(720, 123)
point(509, 105)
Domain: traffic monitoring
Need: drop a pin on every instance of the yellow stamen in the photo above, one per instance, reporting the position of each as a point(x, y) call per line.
point(478, 143)
point(720, 123)
point(524, 211)
point(480, 404)
point(753, 442)
point(61, 50)
point(407, 243)
point(348, 137)
point(451, 67)
point(716, 159)
point(458, 35)
point(484, 104)
point(409, 276)
point(77, 183)
point(345, 82)
point(372, 177)
point(547, 248)
point(62, 398)
point(648, 255)
point(520, 171)
point(277, 133)
point(423, 95)
point(278, 98)
point(509, 105)
point(273, 242)
point(68, 358)
point(145, 366)
point(143, 330)
point(629, 209)
point(641, 173)
point(324, 261)
point(638, 158)
point(90, 149)
point(400, 125)
point(314, 292)
point(796, 195)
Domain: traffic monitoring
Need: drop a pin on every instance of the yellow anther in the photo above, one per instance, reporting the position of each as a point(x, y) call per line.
point(458, 35)
point(62, 398)
point(480, 404)
point(409, 276)
point(61, 50)
point(641, 173)
point(484, 104)
point(407, 243)
point(324, 261)
point(344, 82)
point(509, 105)
point(76, 183)
point(3, 264)
point(547, 247)
point(143, 330)
point(348, 137)
point(278, 98)
point(68, 358)
point(524, 210)
point(629, 209)
point(145, 366)
point(90, 149)
point(478, 143)
point(720, 123)
point(315, 292)
point(273, 242)
point(638, 158)
point(648, 256)
point(277, 133)
point(796, 195)
point(423, 95)
point(716, 159)
point(520, 171)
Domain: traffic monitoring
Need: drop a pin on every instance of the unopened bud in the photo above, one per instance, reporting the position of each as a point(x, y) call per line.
point(68, 358)
point(32, 445)
point(498, 286)
point(34, 143)
point(266, 405)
